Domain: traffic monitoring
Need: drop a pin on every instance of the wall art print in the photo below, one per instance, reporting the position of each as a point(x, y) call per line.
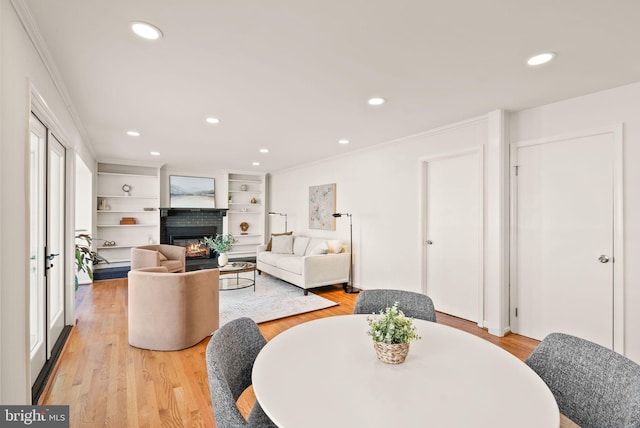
point(191, 192)
point(322, 204)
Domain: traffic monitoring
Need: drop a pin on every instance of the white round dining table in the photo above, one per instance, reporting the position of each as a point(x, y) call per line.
point(325, 373)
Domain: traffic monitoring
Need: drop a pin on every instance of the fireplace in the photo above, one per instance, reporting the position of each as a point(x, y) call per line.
point(196, 248)
point(187, 227)
point(192, 238)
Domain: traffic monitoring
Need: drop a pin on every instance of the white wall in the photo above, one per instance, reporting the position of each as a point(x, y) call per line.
point(20, 65)
point(606, 108)
point(83, 210)
point(382, 188)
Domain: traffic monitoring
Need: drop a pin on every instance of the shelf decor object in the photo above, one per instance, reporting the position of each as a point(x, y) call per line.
point(127, 220)
point(244, 226)
point(322, 202)
point(191, 192)
point(281, 214)
point(349, 287)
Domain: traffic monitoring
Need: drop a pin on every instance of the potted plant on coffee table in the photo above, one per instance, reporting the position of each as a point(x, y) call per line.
point(391, 332)
point(221, 244)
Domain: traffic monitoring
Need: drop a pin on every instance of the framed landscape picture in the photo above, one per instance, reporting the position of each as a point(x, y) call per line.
point(322, 204)
point(191, 192)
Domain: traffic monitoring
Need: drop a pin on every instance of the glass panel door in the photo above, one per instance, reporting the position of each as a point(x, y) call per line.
point(55, 239)
point(37, 325)
point(47, 244)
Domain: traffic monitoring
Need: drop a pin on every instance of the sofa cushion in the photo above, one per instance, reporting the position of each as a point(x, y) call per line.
point(162, 257)
point(321, 248)
point(276, 234)
point(271, 258)
point(335, 246)
point(313, 244)
point(291, 264)
point(300, 244)
point(282, 244)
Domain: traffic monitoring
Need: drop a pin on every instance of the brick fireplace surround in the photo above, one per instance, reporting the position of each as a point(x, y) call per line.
point(188, 226)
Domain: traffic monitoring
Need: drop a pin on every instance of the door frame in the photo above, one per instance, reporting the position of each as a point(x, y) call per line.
point(40, 108)
point(616, 132)
point(424, 266)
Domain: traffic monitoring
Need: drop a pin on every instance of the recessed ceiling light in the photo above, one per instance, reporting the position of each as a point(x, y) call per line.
point(212, 120)
point(264, 150)
point(146, 31)
point(376, 101)
point(133, 133)
point(540, 59)
point(343, 141)
point(256, 164)
point(155, 153)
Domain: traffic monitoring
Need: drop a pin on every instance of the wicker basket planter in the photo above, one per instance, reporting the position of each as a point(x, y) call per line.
point(394, 353)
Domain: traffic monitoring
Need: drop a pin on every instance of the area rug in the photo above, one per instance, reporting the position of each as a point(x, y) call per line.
point(273, 299)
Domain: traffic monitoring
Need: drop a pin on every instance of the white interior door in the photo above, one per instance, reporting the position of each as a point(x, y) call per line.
point(454, 235)
point(564, 248)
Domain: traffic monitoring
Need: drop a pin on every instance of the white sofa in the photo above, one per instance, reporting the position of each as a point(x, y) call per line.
point(304, 266)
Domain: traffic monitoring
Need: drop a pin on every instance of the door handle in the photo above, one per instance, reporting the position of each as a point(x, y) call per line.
point(429, 242)
point(603, 258)
point(52, 256)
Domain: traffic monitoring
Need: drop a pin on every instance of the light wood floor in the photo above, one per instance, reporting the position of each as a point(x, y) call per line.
point(108, 383)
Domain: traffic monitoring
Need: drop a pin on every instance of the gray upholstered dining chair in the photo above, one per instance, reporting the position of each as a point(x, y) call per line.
point(230, 356)
point(593, 386)
point(414, 305)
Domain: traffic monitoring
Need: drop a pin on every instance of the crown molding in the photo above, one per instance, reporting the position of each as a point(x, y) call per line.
point(30, 27)
point(129, 162)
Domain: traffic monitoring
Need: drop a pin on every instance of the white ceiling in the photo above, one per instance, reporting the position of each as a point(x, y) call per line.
point(294, 76)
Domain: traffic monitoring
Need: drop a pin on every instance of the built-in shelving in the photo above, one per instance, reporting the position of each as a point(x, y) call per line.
point(246, 202)
point(141, 201)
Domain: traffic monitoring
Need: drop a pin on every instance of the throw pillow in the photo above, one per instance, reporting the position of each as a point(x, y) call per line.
point(282, 244)
point(162, 257)
point(276, 234)
point(335, 246)
point(321, 248)
point(300, 245)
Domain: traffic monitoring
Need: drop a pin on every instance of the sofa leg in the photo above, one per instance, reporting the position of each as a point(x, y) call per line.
point(306, 292)
point(259, 272)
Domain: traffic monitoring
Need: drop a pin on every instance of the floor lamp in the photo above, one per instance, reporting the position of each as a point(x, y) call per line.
point(285, 218)
point(349, 288)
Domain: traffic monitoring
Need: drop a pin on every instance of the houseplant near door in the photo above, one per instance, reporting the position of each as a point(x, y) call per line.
point(392, 332)
point(85, 256)
point(222, 245)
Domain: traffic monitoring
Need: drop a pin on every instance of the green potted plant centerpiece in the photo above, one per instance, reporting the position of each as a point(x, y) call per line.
point(391, 332)
point(221, 244)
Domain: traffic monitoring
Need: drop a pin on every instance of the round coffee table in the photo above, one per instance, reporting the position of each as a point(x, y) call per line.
point(234, 281)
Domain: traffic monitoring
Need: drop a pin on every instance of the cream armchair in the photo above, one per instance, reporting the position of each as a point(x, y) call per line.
point(170, 256)
point(172, 311)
